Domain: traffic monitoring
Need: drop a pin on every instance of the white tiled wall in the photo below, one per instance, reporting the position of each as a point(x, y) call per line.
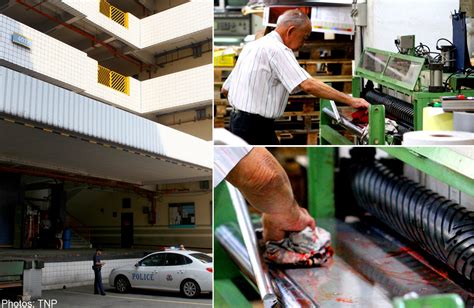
point(175, 22)
point(74, 70)
point(142, 33)
point(60, 64)
point(80, 273)
point(90, 9)
point(70, 65)
point(183, 88)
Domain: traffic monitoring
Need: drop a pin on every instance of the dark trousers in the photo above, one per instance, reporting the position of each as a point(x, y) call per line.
point(253, 128)
point(98, 287)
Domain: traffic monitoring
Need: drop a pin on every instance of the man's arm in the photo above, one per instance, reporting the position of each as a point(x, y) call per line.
point(226, 86)
point(320, 89)
point(264, 184)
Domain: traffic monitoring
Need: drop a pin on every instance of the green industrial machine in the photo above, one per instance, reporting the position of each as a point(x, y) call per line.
point(359, 251)
point(398, 86)
point(432, 301)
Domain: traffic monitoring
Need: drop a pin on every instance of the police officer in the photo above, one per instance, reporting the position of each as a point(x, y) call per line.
point(97, 267)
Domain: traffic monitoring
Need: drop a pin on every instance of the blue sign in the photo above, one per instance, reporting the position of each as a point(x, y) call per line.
point(21, 40)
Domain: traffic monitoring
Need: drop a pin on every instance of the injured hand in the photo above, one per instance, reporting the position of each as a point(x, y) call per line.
point(293, 219)
point(305, 248)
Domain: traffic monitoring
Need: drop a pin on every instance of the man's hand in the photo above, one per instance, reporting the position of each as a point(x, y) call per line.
point(275, 226)
point(265, 185)
point(359, 103)
point(224, 91)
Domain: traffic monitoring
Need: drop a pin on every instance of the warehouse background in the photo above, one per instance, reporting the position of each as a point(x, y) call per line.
point(329, 57)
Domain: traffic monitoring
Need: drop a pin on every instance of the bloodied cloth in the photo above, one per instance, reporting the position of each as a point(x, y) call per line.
point(305, 248)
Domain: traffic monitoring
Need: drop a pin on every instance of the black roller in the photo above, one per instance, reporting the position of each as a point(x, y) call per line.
point(443, 228)
point(404, 128)
point(395, 108)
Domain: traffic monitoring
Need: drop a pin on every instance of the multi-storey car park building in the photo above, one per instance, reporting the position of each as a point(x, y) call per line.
point(105, 118)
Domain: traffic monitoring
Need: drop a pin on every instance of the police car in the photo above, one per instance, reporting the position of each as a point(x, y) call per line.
point(189, 272)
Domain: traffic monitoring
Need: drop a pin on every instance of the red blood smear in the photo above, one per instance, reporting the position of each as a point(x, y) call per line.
point(344, 300)
point(420, 258)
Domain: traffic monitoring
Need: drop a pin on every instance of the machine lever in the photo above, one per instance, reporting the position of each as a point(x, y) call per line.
point(248, 233)
point(336, 112)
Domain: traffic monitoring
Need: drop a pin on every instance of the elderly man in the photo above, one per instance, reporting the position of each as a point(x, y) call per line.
point(266, 73)
point(265, 185)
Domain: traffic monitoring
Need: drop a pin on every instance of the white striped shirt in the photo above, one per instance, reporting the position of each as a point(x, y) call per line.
point(225, 159)
point(265, 74)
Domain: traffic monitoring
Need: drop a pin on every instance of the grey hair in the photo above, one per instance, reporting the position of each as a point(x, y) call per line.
point(292, 18)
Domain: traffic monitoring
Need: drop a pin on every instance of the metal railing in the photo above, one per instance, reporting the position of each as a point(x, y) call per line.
point(114, 13)
point(78, 227)
point(113, 80)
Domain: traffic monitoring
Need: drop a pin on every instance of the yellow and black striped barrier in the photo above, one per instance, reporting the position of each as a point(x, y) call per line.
point(114, 13)
point(113, 80)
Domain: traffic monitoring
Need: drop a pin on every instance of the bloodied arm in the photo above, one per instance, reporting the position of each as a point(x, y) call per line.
point(265, 185)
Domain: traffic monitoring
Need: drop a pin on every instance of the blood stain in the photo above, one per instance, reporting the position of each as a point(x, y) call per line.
point(344, 300)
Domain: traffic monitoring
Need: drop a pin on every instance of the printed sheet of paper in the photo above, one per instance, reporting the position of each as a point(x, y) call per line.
point(332, 19)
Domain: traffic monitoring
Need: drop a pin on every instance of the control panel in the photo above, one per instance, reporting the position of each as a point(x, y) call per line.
point(231, 26)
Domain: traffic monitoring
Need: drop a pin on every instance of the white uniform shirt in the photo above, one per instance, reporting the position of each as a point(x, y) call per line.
point(265, 74)
point(225, 159)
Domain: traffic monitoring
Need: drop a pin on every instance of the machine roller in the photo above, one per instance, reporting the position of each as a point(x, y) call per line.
point(441, 227)
point(395, 108)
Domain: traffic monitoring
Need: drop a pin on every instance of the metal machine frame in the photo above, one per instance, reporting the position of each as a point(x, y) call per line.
point(420, 98)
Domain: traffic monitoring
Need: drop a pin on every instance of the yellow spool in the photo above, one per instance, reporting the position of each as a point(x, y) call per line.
point(434, 118)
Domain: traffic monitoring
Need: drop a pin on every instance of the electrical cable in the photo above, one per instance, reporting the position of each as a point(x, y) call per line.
point(470, 69)
point(397, 44)
point(422, 47)
point(446, 82)
point(423, 50)
point(443, 39)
